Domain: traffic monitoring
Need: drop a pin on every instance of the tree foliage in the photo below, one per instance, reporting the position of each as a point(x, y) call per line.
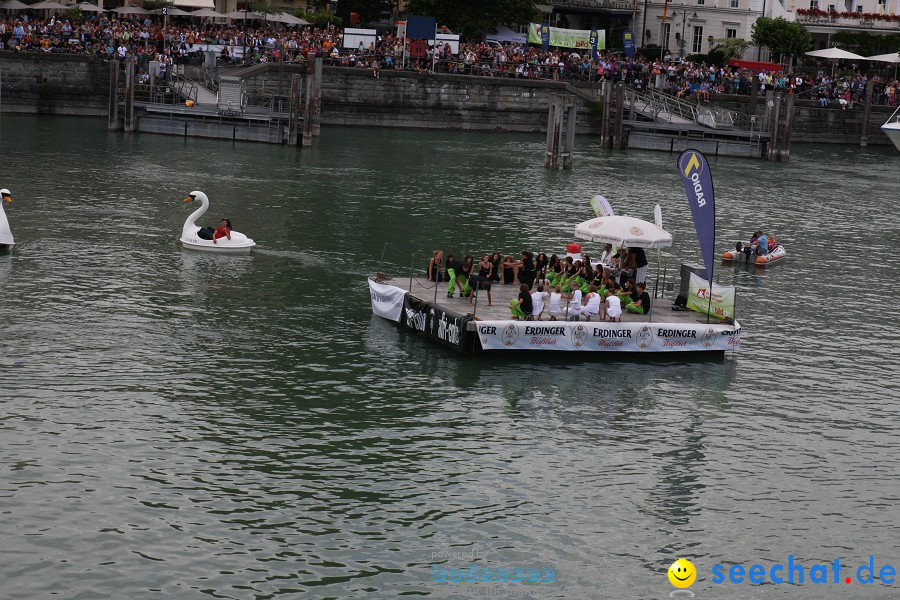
point(730, 48)
point(781, 37)
point(472, 18)
point(867, 44)
point(155, 4)
point(265, 8)
point(321, 18)
point(368, 10)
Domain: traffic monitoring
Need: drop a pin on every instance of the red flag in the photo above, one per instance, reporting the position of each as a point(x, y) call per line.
point(665, 10)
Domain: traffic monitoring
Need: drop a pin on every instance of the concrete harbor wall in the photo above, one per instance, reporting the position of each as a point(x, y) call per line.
point(64, 84)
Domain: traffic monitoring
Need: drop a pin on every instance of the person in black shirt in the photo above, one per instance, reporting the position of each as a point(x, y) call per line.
point(641, 306)
point(454, 269)
point(541, 265)
point(527, 270)
point(521, 308)
point(434, 266)
point(465, 274)
point(496, 260)
point(640, 264)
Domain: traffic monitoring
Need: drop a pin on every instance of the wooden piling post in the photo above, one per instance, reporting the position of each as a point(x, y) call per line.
point(554, 132)
point(569, 156)
point(294, 114)
point(754, 95)
point(774, 115)
point(551, 118)
point(130, 122)
point(620, 111)
point(114, 124)
point(785, 155)
point(309, 94)
point(870, 90)
point(317, 99)
point(632, 103)
point(604, 124)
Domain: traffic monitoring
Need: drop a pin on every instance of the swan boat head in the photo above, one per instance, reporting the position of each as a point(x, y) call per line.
point(190, 237)
point(6, 236)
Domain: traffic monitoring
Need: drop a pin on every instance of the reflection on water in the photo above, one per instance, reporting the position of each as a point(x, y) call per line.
point(241, 426)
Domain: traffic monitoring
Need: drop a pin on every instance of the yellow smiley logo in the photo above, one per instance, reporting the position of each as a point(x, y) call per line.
point(682, 573)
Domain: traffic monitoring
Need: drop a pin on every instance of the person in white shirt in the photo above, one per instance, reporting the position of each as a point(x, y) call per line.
point(555, 298)
point(575, 302)
point(591, 303)
point(613, 308)
point(537, 302)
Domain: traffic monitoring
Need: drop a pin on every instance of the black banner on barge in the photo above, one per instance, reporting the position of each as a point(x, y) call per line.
point(432, 322)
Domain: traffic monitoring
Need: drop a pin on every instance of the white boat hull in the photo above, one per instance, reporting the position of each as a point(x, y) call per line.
point(217, 248)
point(778, 255)
point(892, 130)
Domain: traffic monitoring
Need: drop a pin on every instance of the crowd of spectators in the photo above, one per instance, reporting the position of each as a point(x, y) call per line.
point(147, 38)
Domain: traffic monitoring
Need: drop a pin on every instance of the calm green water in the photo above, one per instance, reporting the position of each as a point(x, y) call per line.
point(199, 426)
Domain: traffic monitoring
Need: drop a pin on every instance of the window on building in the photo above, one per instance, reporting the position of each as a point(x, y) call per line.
point(734, 3)
point(859, 8)
point(831, 8)
point(665, 34)
point(731, 32)
point(814, 3)
point(697, 46)
point(701, 2)
point(882, 4)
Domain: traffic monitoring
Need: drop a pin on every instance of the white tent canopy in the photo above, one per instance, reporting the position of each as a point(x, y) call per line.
point(835, 54)
point(131, 10)
point(49, 5)
point(624, 230)
point(208, 12)
point(88, 7)
point(13, 5)
point(890, 57)
point(195, 4)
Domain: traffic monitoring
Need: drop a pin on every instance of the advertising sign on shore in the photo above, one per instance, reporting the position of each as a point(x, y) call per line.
point(607, 337)
point(567, 38)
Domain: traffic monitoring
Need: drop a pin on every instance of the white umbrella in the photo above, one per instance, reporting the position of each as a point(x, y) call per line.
point(50, 5)
point(890, 57)
point(624, 231)
point(207, 12)
point(13, 5)
point(289, 19)
point(835, 54)
point(131, 10)
point(239, 14)
point(88, 7)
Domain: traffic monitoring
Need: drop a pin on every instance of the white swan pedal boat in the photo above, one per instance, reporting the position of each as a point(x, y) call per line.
point(190, 234)
point(6, 236)
point(891, 128)
point(777, 255)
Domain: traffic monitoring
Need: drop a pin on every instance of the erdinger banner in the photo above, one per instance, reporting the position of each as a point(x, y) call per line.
point(434, 323)
point(387, 300)
point(694, 170)
point(717, 302)
point(607, 337)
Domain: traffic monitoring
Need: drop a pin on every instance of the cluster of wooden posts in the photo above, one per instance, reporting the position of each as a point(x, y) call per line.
point(311, 104)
